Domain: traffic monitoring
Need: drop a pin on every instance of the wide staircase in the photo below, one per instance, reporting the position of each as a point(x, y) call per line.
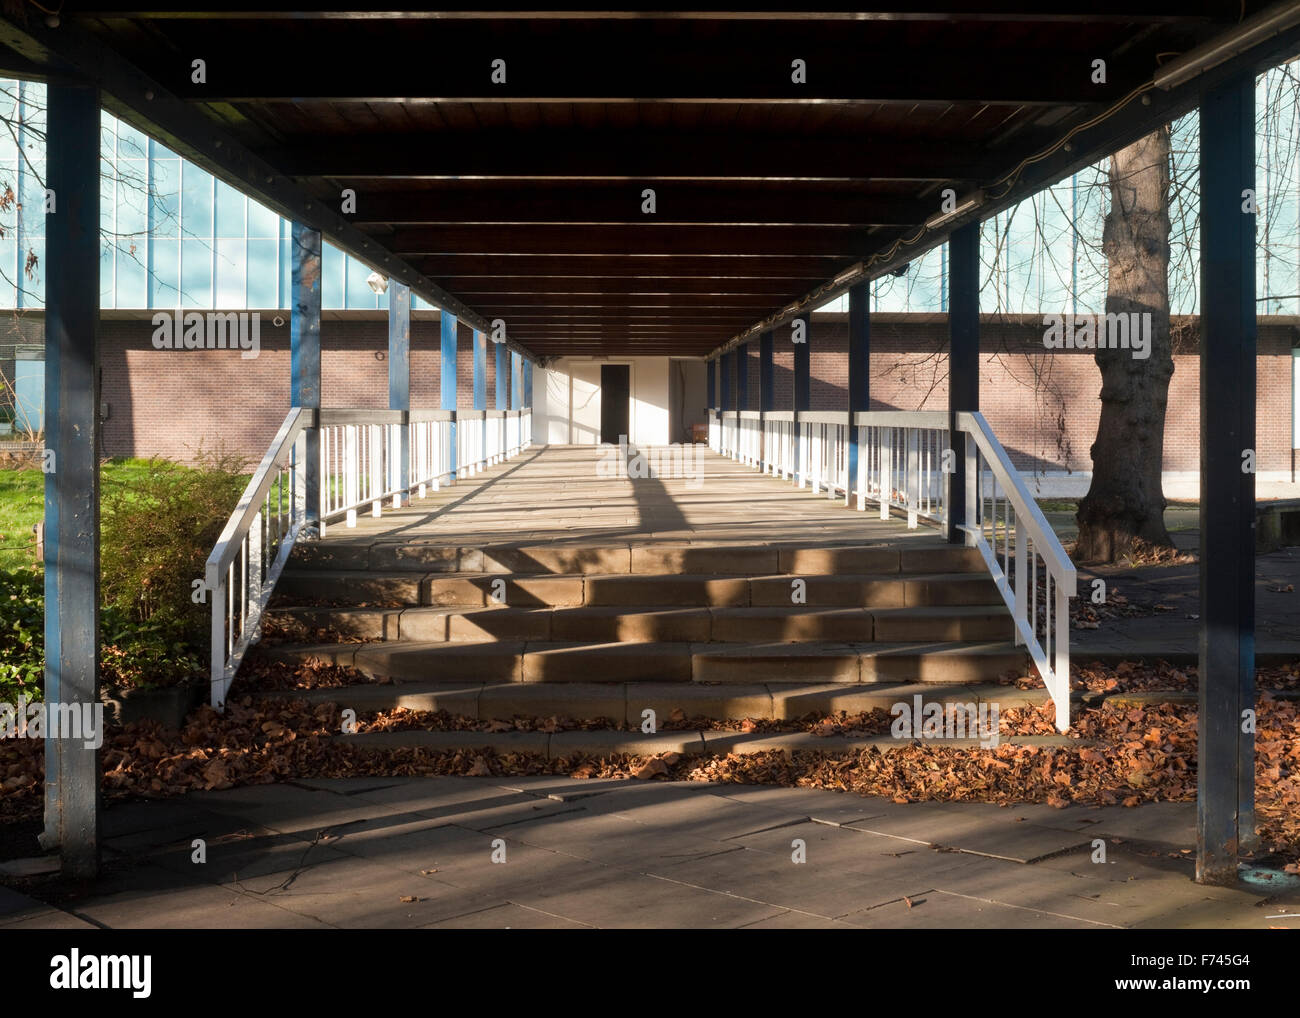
point(592, 630)
point(499, 582)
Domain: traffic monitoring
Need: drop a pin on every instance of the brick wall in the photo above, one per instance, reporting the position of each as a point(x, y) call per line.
point(1042, 404)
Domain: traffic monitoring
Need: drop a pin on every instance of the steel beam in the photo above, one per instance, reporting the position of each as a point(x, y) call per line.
point(304, 352)
point(399, 374)
point(71, 465)
point(1225, 814)
point(963, 360)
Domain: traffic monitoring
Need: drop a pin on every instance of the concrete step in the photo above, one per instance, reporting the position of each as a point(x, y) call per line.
point(614, 624)
point(627, 703)
point(745, 663)
point(562, 745)
point(353, 552)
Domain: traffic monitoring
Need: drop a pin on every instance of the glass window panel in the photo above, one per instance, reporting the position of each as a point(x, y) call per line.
point(131, 287)
point(232, 273)
point(262, 274)
point(196, 274)
point(33, 295)
point(262, 222)
point(8, 277)
point(196, 202)
point(160, 151)
point(331, 277)
point(105, 274)
point(164, 279)
point(164, 198)
point(286, 266)
point(230, 211)
point(359, 294)
point(131, 144)
point(132, 198)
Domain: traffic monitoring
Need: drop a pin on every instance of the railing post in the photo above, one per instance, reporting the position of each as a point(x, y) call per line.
point(913, 438)
point(304, 356)
point(399, 385)
point(376, 435)
point(886, 469)
point(1021, 580)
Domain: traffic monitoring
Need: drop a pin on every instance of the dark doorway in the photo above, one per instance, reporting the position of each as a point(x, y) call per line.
point(615, 396)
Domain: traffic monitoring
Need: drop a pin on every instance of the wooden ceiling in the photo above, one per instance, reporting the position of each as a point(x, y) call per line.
point(524, 199)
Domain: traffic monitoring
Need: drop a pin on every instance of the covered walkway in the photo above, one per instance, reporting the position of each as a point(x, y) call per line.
point(587, 494)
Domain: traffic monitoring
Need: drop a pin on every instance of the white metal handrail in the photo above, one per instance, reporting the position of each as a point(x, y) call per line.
point(905, 461)
point(359, 465)
point(253, 547)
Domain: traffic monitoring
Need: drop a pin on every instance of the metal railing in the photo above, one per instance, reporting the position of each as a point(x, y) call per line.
point(360, 465)
point(905, 460)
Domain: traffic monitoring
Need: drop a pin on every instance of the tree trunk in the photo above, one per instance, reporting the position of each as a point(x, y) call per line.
point(1124, 507)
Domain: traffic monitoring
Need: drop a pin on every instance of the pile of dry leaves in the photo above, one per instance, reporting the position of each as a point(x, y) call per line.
point(1129, 755)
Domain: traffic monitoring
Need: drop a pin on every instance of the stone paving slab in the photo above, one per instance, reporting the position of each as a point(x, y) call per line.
point(635, 853)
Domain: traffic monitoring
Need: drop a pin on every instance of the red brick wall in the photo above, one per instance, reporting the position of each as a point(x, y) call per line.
point(1042, 404)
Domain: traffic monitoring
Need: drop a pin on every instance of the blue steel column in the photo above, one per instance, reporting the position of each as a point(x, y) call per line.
point(399, 374)
point(516, 381)
point(304, 353)
point(802, 395)
point(72, 478)
point(1225, 799)
point(480, 385)
point(724, 387)
point(742, 377)
point(859, 381)
point(447, 379)
point(711, 373)
point(503, 377)
point(528, 383)
point(766, 385)
point(963, 360)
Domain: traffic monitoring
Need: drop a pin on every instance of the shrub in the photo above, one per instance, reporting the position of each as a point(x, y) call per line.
point(158, 522)
point(157, 528)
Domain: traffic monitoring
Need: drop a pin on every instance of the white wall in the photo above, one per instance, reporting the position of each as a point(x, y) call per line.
point(566, 400)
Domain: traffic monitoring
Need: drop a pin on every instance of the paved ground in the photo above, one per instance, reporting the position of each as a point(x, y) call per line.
point(575, 494)
point(405, 853)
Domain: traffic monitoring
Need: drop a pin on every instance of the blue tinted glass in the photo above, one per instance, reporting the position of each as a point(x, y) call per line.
point(131, 289)
point(196, 202)
point(232, 272)
point(262, 274)
point(359, 294)
point(164, 280)
point(262, 222)
point(164, 199)
point(196, 274)
point(331, 277)
point(230, 211)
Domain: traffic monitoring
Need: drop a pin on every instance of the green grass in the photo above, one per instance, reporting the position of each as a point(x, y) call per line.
point(22, 504)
